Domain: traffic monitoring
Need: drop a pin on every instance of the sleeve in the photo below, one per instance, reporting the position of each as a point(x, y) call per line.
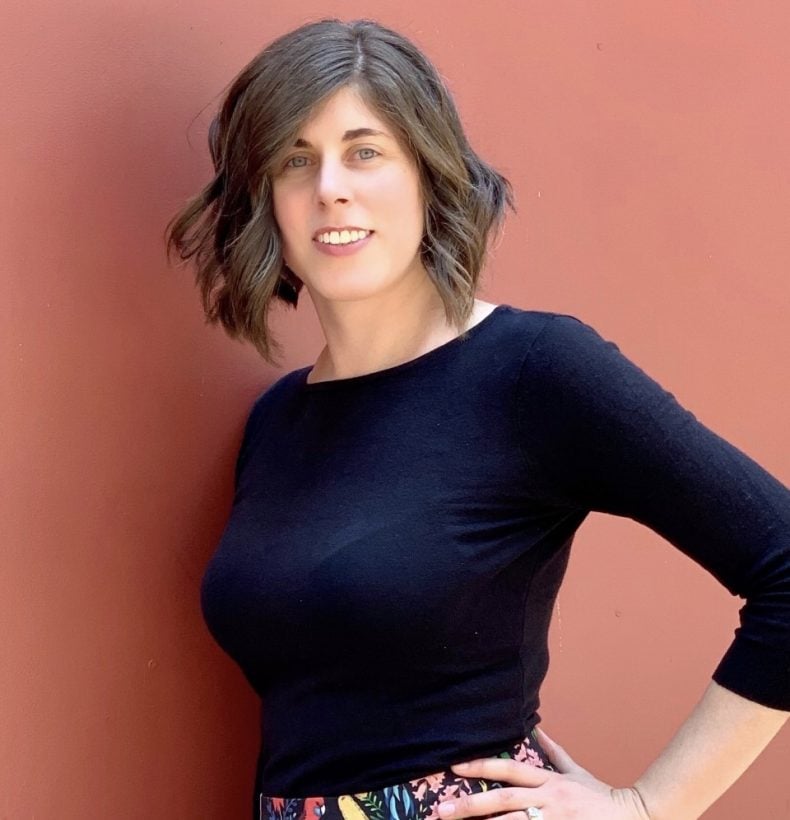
point(602, 435)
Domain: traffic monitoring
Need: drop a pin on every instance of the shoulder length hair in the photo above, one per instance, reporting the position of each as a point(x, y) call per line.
point(229, 226)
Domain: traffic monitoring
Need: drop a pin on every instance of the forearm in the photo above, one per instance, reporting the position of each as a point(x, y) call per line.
point(720, 739)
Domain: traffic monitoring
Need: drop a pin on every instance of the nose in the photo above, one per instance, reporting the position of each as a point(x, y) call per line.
point(333, 182)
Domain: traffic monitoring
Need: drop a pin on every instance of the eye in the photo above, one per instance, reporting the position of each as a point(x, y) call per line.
point(371, 150)
point(288, 164)
point(302, 156)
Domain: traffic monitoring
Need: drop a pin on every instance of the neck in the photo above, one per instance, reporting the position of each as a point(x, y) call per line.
point(369, 335)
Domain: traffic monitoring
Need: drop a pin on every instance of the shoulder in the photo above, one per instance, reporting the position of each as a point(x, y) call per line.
point(547, 332)
point(567, 361)
point(284, 385)
point(278, 393)
point(533, 319)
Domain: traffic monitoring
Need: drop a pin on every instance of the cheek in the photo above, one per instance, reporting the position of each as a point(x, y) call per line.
point(285, 200)
point(285, 224)
point(279, 204)
point(397, 198)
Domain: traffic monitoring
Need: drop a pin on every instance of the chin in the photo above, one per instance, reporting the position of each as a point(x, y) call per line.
point(348, 286)
point(347, 294)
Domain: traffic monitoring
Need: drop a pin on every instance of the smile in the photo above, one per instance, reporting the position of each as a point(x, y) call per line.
point(341, 237)
point(343, 248)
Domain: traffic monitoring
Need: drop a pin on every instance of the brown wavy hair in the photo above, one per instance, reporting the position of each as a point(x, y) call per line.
point(229, 227)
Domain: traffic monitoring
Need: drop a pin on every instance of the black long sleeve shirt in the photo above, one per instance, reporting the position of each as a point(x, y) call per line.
point(397, 541)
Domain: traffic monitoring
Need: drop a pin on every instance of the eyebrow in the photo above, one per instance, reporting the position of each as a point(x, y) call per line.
point(353, 134)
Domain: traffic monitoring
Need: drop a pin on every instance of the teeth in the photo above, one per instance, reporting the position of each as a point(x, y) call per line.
point(342, 237)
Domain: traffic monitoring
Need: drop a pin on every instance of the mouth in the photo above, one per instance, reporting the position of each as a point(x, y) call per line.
point(342, 237)
point(355, 242)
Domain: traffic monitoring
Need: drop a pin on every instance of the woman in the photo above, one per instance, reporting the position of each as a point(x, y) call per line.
point(404, 508)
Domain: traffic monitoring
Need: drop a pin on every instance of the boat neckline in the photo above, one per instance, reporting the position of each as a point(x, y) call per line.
point(429, 355)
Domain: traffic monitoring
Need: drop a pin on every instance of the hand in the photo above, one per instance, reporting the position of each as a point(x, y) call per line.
point(570, 793)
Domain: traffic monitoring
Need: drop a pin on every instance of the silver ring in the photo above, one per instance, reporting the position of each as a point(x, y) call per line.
point(534, 813)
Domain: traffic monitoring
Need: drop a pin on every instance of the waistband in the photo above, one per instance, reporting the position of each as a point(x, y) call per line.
point(416, 799)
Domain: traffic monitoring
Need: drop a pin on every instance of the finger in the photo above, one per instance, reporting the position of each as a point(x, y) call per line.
point(494, 801)
point(504, 768)
point(558, 757)
point(516, 815)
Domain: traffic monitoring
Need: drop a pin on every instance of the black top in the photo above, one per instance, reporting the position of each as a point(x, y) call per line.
point(397, 541)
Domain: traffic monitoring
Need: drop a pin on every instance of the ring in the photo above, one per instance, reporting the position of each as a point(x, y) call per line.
point(534, 813)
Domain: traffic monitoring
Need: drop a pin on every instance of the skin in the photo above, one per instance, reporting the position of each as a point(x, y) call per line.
point(378, 308)
point(719, 740)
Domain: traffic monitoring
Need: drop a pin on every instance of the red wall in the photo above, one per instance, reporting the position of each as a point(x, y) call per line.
point(648, 146)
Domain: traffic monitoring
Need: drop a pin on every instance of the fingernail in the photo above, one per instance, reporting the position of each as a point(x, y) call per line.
point(462, 766)
point(446, 809)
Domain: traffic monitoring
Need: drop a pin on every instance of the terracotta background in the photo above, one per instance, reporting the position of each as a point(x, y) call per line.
point(648, 146)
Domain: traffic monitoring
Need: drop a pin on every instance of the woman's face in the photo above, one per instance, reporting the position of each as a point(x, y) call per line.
point(334, 178)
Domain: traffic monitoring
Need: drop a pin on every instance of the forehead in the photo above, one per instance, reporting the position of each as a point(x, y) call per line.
point(345, 110)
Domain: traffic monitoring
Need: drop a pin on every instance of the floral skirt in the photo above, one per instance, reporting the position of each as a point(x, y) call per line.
point(414, 800)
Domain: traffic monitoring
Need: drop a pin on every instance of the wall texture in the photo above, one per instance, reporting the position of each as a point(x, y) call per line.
point(648, 146)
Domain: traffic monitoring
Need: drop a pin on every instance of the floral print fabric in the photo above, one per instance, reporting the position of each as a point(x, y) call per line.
point(417, 799)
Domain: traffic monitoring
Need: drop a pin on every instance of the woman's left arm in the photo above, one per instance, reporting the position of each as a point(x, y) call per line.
point(720, 739)
point(600, 434)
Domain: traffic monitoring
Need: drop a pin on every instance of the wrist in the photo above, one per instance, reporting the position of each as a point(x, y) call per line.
point(631, 800)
